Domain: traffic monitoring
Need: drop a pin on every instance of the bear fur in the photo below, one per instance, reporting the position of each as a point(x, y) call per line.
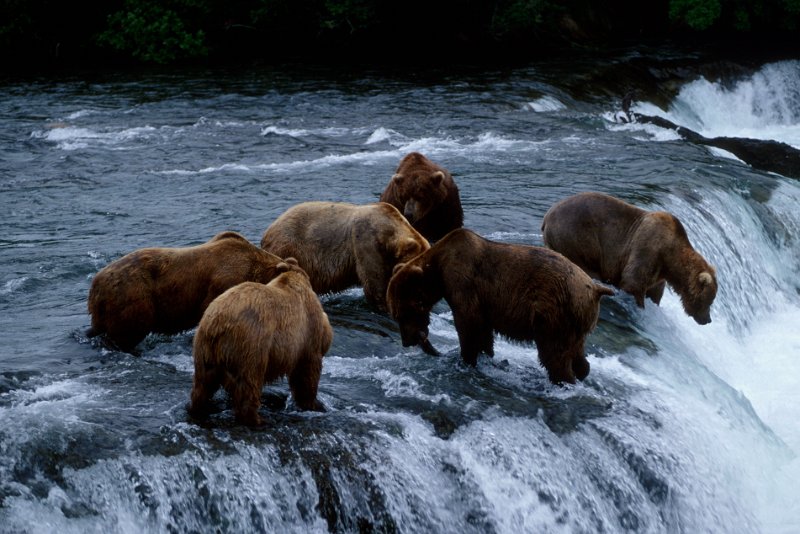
point(523, 292)
point(166, 290)
point(255, 333)
point(426, 195)
point(342, 245)
point(636, 250)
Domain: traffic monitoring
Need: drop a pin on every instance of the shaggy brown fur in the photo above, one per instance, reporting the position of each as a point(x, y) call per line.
point(255, 333)
point(638, 251)
point(523, 292)
point(343, 245)
point(427, 195)
point(167, 290)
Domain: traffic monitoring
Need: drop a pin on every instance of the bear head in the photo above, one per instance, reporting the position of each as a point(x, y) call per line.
point(410, 300)
point(420, 190)
point(702, 292)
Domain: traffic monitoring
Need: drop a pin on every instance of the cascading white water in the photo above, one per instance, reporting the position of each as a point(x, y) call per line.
point(765, 105)
point(753, 344)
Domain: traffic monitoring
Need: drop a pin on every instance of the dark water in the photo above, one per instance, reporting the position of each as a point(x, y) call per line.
point(678, 428)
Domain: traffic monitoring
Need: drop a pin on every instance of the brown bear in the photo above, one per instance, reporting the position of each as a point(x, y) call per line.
point(427, 195)
point(255, 333)
point(342, 245)
point(635, 250)
point(523, 292)
point(167, 290)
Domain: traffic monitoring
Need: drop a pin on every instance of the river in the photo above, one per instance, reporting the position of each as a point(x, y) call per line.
point(678, 427)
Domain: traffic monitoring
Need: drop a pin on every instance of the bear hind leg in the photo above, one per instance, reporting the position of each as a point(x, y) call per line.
point(206, 384)
point(246, 399)
point(304, 382)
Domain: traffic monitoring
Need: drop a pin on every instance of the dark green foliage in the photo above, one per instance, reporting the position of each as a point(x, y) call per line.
point(47, 32)
point(698, 14)
point(519, 16)
point(736, 15)
point(157, 31)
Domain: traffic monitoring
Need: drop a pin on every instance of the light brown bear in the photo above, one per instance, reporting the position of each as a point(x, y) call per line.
point(166, 290)
point(426, 195)
point(255, 333)
point(523, 292)
point(637, 251)
point(342, 245)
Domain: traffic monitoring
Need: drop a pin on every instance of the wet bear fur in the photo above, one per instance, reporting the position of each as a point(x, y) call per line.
point(426, 195)
point(255, 333)
point(343, 245)
point(633, 249)
point(523, 292)
point(166, 290)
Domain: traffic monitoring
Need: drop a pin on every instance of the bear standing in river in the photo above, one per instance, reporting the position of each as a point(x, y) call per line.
point(523, 292)
point(342, 245)
point(255, 333)
point(638, 251)
point(426, 195)
point(166, 290)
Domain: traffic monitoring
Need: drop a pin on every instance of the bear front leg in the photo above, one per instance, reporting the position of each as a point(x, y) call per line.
point(580, 365)
point(473, 338)
point(639, 274)
point(656, 292)
point(304, 382)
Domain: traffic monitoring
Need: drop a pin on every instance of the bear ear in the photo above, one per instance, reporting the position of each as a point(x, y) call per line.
point(398, 179)
point(705, 278)
point(286, 265)
point(407, 248)
point(397, 268)
point(437, 178)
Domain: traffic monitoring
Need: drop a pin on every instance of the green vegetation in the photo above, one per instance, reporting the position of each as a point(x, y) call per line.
point(156, 31)
point(51, 32)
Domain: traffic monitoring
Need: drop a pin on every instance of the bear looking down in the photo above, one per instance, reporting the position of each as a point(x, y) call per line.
point(166, 290)
point(636, 250)
point(255, 333)
point(342, 245)
point(523, 292)
point(426, 195)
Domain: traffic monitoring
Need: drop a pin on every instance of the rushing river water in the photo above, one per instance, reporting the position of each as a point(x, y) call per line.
point(678, 428)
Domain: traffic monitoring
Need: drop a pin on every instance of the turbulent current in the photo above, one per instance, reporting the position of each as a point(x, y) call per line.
point(678, 427)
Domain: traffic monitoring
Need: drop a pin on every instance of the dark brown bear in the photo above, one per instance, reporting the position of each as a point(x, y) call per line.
point(427, 195)
point(342, 245)
point(255, 333)
point(167, 290)
point(523, 292)
point(638, 251)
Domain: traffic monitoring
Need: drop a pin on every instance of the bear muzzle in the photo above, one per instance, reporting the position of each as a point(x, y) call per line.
point(702, 318)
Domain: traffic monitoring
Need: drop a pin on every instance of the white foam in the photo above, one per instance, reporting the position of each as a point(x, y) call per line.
point(13, 285)
point(545, 104)
point(765, 105)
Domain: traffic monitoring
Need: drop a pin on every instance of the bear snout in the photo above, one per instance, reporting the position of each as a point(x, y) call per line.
point(410, 210)
point(702, 319)
point(411, 336)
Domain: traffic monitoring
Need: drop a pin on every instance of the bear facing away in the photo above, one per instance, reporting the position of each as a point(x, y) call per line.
point(426, 195)
point(636, 250)
point(523, 292)
point(166, 290)
point(255, 333)
point(342, 245)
